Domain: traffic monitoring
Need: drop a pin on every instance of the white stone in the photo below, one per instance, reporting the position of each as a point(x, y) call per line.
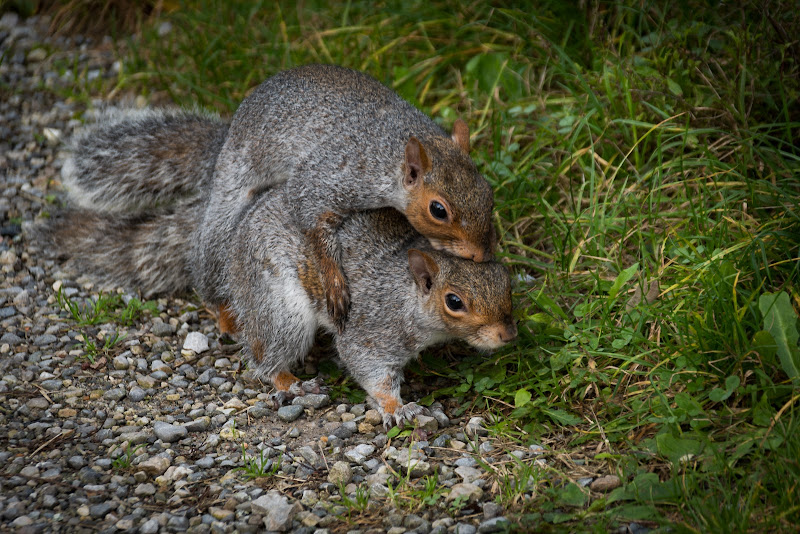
point(196, 342)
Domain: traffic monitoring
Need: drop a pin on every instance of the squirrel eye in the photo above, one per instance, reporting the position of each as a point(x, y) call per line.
point(454, 302)
point(438, 211)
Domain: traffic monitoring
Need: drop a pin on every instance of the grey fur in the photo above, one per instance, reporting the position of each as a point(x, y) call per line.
point(337, 138)
point(134, 159)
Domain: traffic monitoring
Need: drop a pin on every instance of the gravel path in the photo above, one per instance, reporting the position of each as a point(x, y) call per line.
point(148, 436)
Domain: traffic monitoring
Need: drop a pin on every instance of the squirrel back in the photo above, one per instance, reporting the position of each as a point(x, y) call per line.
point(345, 142)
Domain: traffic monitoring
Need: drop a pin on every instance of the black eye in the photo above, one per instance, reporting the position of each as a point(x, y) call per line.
point(454, 302)
point(438, 211)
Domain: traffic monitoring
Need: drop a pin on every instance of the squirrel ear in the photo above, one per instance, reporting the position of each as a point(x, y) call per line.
point(417, 163)
point(424, 269)
point(460, 135)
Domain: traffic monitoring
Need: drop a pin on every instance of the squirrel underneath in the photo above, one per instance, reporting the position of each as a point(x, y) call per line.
point(341, 142)
point(152, 207)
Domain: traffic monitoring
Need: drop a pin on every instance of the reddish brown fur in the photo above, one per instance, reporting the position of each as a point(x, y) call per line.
point(310, 279)
point(227, 321)
point(453, 236)
point(284, 380)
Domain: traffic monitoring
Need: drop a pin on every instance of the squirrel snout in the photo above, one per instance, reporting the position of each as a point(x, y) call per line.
point(507, 333)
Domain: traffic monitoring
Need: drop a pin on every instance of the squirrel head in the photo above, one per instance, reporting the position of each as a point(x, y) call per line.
point(450, 203)
point(471, 300)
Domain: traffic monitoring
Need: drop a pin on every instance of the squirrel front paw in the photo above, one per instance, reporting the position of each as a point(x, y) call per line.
point(403, 415)
point(314, 385)
point(288, 387)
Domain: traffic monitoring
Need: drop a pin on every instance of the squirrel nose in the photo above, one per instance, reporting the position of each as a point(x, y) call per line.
point(508, 333)
point(481, 256)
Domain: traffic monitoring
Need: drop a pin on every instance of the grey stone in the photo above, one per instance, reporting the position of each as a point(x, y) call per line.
point(11, 338)
point(476, 427)
point(290, 413)
point(120, 363)
point(469, 492)
point(491, 510)
point(136, 394)
point(162, 329)
point(150, 526)
point(469, 474)
point(144, 490)
point(495, 524)
point(101, 509)
point(340, 474)
point(116, 394)
point(312, 400)
point(464, 528)
point(44, 340)
point(276, 510)
point(206, 462)
point(168, 432)
point(199, 424)
point(53, 384)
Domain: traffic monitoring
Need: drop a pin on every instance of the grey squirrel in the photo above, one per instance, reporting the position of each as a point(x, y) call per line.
point(404, 295)
point(340, 140)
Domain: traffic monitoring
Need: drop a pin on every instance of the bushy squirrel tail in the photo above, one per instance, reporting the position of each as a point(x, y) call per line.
point(132, 160)
point(149, 251)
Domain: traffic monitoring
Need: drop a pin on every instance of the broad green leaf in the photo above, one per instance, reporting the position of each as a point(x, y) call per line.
point(685, 402)
point(637, 511)
point(765, 345)
point(677, 449)
point(540, 318)
point(780, 320)
point(674, 87)
point(762, 412)
point(719, 395)
point(394, 431)
point(562, 416)
point(571, 495)
point(522, 398)
point(550, 305)
point(732, 382)
point(562, 358)
point(622, 279)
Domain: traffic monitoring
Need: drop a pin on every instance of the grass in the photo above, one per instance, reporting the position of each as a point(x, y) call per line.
point(646, 170)
point(123, 462)
point(106, 308)
point(258, 466)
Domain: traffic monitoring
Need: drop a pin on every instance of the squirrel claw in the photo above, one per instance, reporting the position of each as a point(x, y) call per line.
point(402, 416)
point(297, 389)
point(314, 385)
point(280, 398)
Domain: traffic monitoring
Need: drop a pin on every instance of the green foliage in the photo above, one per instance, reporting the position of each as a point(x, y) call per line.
point(106, 308)
point(123, 462)
point(91, 349)
point(780, 321)
point(258, 466)
point(359, 501)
